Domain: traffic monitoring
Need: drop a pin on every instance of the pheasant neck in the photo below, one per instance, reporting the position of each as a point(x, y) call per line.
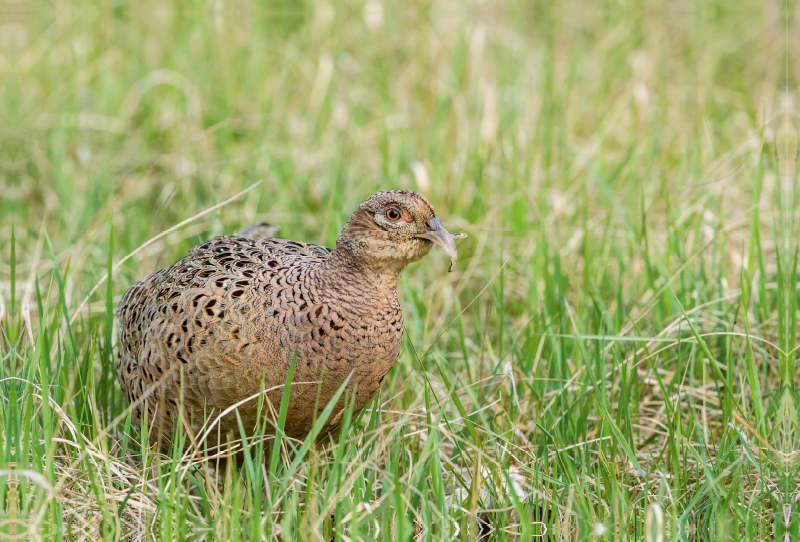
point(348, 274)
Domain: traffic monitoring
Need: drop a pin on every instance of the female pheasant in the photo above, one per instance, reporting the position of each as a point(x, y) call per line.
point(224, 322)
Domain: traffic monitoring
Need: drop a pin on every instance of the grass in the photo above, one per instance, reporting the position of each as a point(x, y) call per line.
point(614, 358)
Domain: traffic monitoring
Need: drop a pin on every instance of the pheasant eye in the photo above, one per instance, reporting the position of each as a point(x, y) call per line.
point(393, 214)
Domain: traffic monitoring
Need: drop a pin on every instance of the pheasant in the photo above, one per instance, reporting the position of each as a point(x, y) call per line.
point(225, 323)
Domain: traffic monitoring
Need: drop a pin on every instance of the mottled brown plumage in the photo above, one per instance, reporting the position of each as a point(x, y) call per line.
point(231, 314)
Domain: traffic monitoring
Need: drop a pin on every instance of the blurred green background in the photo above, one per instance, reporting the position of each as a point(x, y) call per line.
point(625, 171)
point(121, 109)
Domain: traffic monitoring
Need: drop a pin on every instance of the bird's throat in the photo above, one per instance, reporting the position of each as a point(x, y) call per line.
point(342, 273)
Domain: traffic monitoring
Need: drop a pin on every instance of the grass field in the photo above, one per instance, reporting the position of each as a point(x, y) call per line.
point(614, 357)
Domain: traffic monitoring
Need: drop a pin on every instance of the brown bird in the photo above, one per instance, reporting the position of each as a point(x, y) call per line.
point(227, 319)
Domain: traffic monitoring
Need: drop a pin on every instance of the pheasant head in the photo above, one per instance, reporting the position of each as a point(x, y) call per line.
point(393, 229)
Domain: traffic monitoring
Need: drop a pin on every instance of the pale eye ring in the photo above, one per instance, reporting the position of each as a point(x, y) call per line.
point(393, 214)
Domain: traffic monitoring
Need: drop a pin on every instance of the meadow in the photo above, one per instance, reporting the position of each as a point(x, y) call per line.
point(613, 358)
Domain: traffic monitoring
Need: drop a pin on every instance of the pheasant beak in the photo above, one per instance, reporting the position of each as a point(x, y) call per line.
point(440, 236)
